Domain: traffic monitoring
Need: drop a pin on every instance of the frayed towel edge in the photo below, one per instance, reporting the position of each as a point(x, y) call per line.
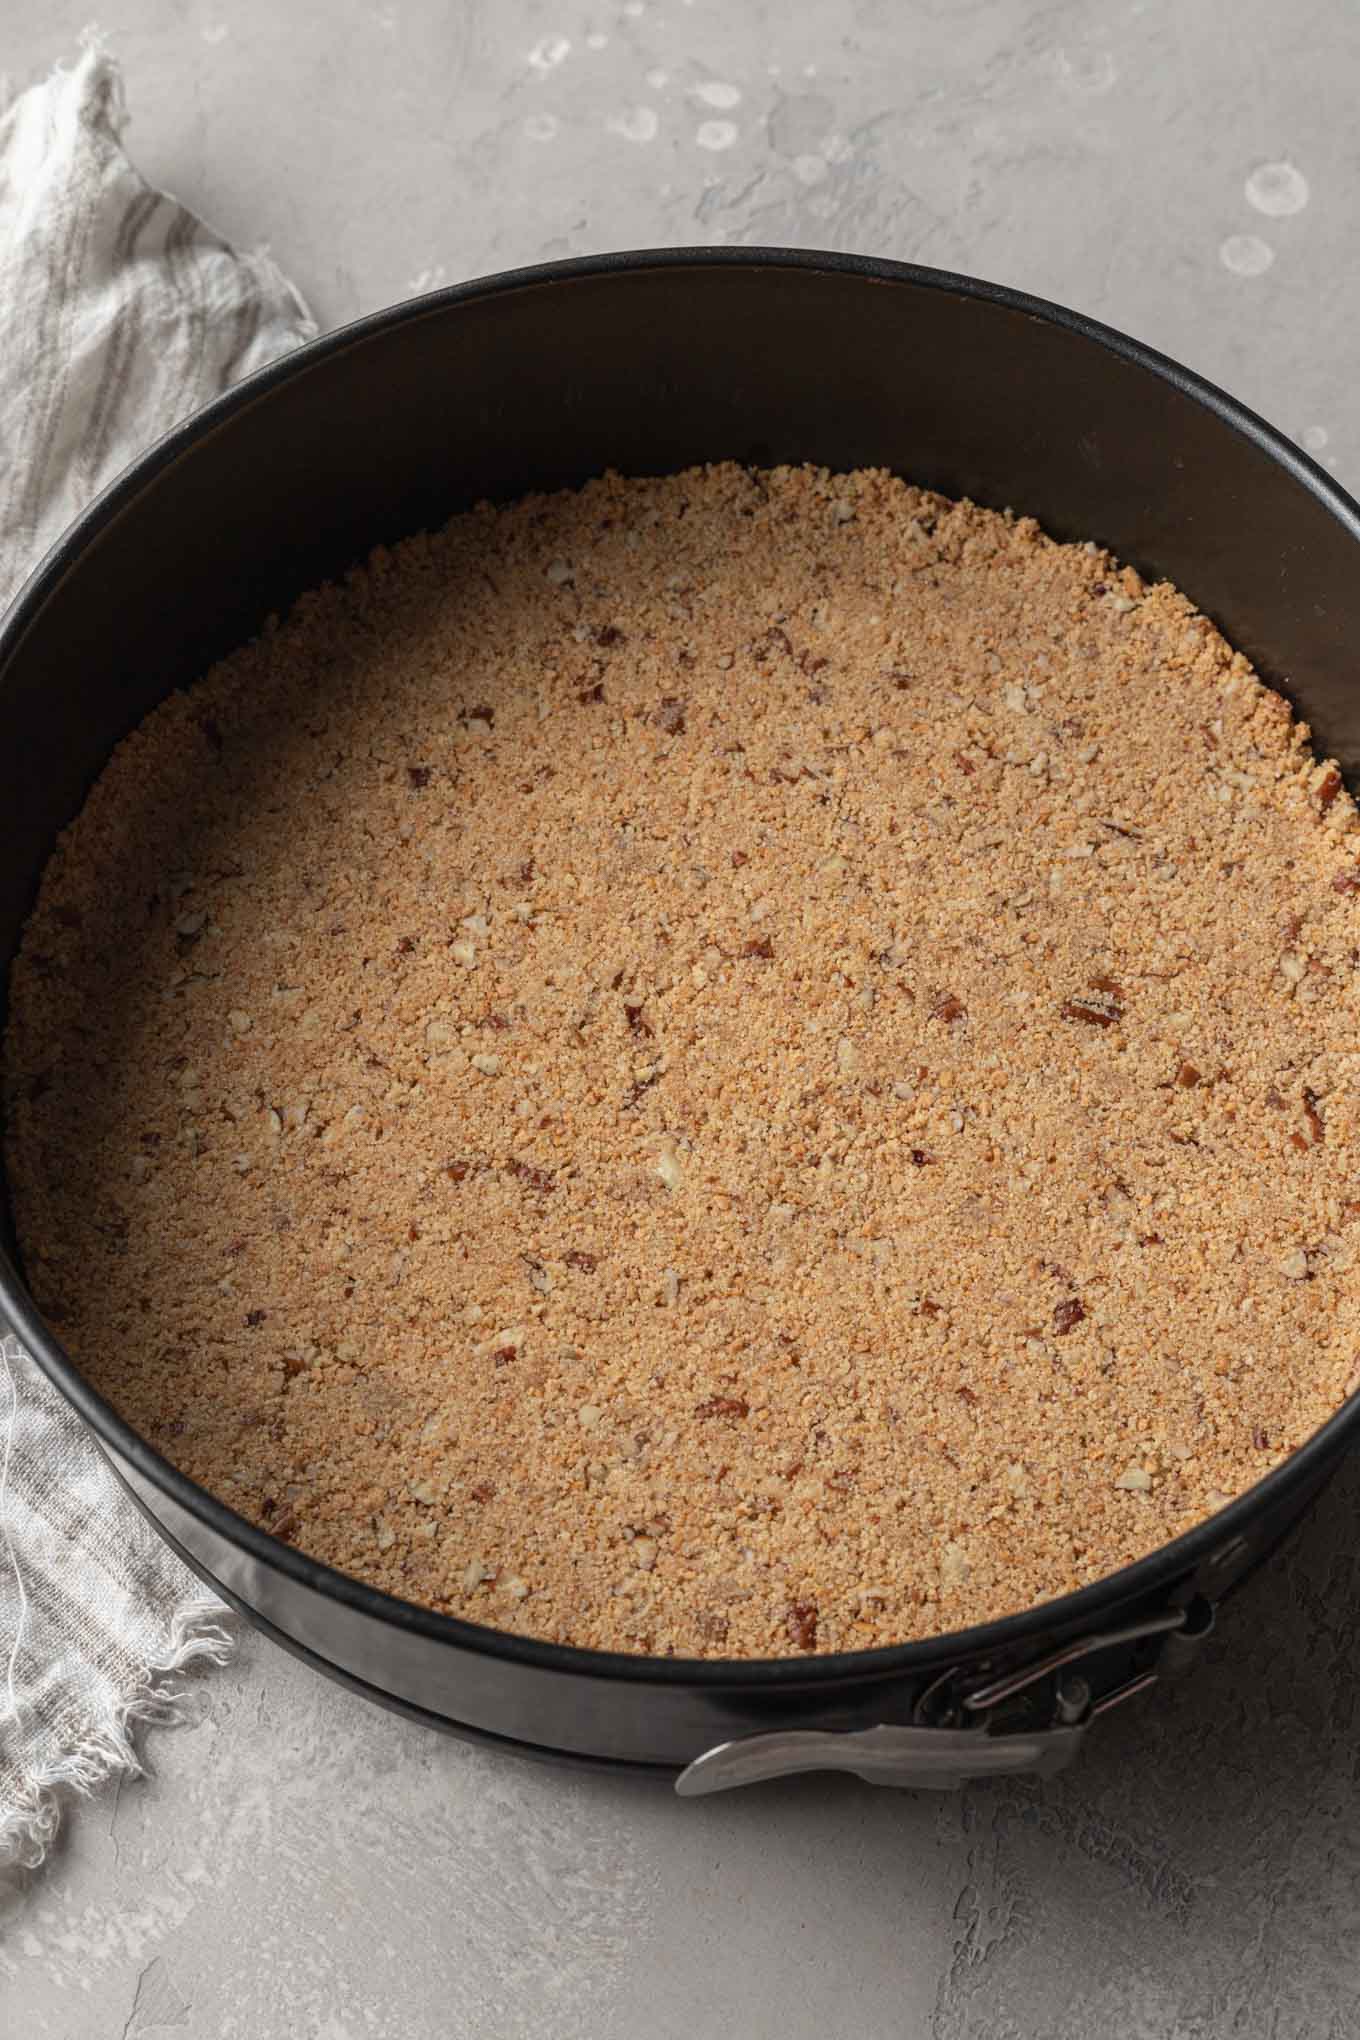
point(198, 1631)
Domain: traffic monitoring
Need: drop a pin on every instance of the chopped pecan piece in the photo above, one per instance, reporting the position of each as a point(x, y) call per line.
point(637, 1089)
point(775, 639)
point(723, 1406)
point(949, 1009)
point(1068, 1314)
point(1099, 1007)
point(801, 1623)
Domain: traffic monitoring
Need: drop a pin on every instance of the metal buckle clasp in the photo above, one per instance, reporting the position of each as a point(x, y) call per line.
point(945, 1756)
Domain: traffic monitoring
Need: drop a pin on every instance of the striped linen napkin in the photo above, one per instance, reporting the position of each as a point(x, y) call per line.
point(120, 313)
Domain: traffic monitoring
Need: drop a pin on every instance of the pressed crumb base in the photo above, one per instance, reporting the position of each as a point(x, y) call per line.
point(740, 1064)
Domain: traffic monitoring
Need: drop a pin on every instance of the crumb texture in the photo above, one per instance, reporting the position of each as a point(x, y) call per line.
point(734, 1065)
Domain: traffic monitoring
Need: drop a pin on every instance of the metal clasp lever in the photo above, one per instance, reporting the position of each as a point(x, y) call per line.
point(940, 1758)
point(935, 1758)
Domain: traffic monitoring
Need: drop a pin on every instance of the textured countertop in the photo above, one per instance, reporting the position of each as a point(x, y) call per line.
point(304, 1866)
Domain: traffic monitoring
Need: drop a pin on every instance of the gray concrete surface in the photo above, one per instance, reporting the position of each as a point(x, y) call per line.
point(300, 1866)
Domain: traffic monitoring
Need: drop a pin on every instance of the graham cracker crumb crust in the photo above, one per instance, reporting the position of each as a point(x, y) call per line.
point(740, 1064)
